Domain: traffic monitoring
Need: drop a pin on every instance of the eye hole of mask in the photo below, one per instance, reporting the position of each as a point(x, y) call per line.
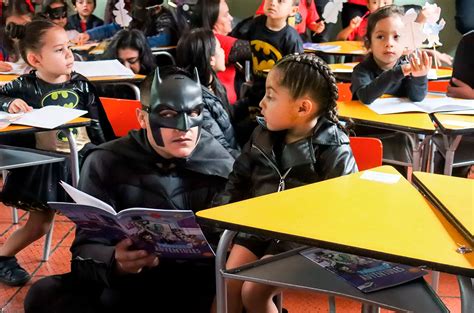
point(57, 13)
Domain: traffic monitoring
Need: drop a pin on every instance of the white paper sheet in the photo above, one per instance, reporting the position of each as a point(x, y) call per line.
point(17, 68)
point(428, 105)
point(83, 198)
point(102, 68)
point(49, 117)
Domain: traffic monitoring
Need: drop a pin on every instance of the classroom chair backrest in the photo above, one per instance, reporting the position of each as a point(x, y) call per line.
point(121, 114)
point(367, 152)
point(345, 93)
point(438, 86)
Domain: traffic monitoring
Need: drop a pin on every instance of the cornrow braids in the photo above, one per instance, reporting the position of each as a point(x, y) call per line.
point(306, 74)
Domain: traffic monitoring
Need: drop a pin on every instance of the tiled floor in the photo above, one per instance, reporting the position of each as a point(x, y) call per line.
point(11, 298)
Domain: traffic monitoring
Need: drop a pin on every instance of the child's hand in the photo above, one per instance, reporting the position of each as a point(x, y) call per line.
point(5, 67)
point(355, 22)
point(18, 106)
point(132, 261)
point(319, 27)
point(81, 39)
point(460, 90)
point(420, 64)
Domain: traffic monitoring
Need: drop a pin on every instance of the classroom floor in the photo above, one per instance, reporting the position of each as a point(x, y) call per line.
point(11, 298)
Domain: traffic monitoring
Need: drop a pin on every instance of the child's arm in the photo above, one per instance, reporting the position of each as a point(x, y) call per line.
point(367, 88)
point(337, 161)
point(8, 97)
point(346, 32)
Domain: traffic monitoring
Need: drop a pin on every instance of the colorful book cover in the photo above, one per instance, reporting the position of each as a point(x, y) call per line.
point(366, 274)
point(167, 233)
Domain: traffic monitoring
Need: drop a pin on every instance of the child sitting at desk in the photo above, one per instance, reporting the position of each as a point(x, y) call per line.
point(299, 142)
point(84, 19)
point(385, 71)
point(44, 46)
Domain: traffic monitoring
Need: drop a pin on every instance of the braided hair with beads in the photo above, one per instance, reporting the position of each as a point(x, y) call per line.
point(308, 75)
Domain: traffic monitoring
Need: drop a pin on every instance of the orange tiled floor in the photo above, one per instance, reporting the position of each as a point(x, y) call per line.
point(11, 298)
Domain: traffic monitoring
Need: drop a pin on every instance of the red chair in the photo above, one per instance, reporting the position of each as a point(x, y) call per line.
point(438, 86)
point(345, 93)
point(121, 114)
point(368, 152)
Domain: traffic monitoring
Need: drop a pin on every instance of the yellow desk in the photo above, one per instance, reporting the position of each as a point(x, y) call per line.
point(454, 198)
point(412, 124)
point(453, 127)
point(387, 221)
point(391, 222)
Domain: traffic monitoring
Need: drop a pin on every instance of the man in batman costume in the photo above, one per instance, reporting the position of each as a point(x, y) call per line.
point(169, 163)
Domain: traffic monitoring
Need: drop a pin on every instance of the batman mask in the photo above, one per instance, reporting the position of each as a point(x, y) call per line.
point(175, 102)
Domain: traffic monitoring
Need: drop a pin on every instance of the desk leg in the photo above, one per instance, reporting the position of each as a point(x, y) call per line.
point(466, 287)
point(367, 308)
point(418, 148)
point(74, 156)
point(450, 146)
point(221, 259)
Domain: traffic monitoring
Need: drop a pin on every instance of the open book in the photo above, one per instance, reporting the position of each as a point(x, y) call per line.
point(365, 274)
point(428, 105)
point(167, 233)
point(48, 117)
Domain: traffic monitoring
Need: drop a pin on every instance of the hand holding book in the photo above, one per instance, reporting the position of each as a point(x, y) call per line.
point(130, 261)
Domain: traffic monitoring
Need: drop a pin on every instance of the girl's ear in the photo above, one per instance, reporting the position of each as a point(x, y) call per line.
point(33, 59)
point(213, 61)
point(305, 106)
point(141, 117)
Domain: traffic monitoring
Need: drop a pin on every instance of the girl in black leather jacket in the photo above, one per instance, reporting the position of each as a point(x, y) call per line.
point(45, 47)
point(299, 142)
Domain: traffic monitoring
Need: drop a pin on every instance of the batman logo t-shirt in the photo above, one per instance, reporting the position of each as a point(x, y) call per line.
point(269, 46)
point(56, 140)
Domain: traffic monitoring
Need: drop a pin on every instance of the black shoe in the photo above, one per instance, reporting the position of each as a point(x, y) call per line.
point(11, 273)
